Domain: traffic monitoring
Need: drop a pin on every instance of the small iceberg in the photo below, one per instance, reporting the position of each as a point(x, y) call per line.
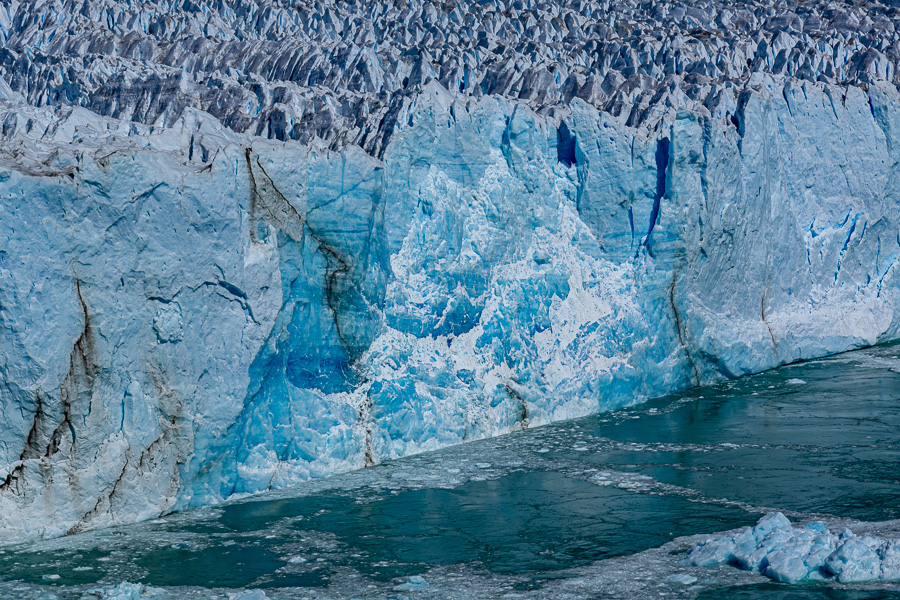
point(791, 554)
point(412, 584)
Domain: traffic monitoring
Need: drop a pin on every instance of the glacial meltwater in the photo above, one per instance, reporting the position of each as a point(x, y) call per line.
point(601, 507)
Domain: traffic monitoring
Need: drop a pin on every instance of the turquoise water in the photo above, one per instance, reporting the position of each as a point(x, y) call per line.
point(773, 591)
point(602, 507)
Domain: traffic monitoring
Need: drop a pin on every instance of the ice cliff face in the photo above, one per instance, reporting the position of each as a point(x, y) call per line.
point(189, 311)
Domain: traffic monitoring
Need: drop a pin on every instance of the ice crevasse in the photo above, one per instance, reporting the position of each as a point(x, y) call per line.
point(172, 335)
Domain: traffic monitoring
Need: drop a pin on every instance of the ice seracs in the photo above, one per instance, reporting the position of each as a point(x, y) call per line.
point(782, 552)
point(347, 71)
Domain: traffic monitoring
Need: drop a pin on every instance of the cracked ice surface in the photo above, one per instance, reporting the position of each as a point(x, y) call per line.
point(811, 552)
point(190, 312)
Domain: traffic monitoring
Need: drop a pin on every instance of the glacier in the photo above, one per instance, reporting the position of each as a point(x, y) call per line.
point(192, 310)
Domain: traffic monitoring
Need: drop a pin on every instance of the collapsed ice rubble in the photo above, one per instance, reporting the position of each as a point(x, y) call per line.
point(188, 311)
point(812, 552)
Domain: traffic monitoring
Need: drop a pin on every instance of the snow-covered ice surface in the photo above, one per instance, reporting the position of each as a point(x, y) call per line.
point(243, 245)
point(607, 506)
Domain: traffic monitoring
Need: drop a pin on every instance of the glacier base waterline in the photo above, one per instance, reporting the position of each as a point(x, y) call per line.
point(171, 336)
point(606, 506)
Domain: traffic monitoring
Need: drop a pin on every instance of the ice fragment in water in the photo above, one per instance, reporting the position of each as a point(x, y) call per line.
point(124, 591)
point(412, 584)
point(790, 554)
point(681, 578)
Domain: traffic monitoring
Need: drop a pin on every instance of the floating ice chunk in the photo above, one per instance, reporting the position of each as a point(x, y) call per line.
point(681, 578)
point(823, 545)
point(412, 584)
point(249, 595)
point(890, 559)
point(816, 526)
point(754, 558)
point(753, 544)
point(716, 551)
point(126, 591)
point(784, 565)
point(769, 523)
point(296, 560)
point(854, 560)
point(811, 552)
point(795, 381)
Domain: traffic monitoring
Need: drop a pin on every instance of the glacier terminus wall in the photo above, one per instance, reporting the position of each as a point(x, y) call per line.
point(189, 311)
point(173, 336)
